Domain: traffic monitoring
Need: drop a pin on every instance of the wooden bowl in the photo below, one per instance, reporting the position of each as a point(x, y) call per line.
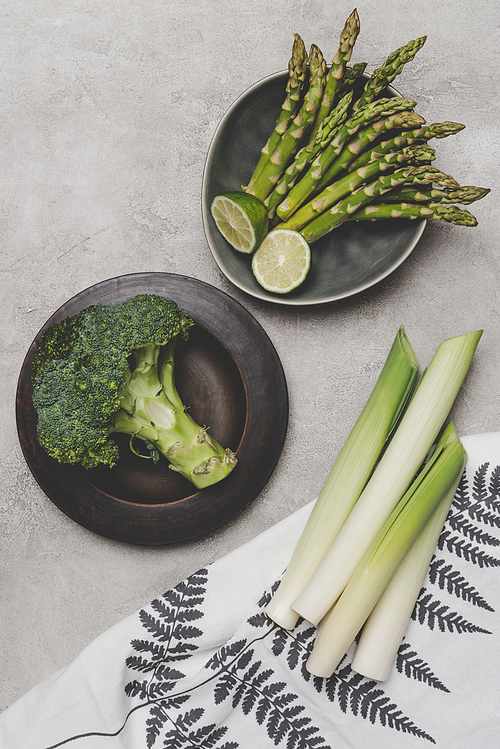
point(229, 376)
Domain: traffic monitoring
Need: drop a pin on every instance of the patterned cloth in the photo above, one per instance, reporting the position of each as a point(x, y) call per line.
point(202, 665)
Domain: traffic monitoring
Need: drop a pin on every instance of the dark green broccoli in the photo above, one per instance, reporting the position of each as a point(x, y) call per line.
point(110, 368)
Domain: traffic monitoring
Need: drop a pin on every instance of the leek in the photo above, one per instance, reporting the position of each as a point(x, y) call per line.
point(405, 453)
point(348, 476)
point(384, 629)
point(339, 628)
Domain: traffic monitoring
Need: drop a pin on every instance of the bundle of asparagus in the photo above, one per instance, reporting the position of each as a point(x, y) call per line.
point(342, 149)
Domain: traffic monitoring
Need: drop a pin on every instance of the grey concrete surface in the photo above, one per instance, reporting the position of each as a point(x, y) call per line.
point(107, 110)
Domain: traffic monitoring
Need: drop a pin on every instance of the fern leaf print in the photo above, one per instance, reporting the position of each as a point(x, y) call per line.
point(466, 536)
point(409, 663)
point(437, 615)
point(451, 580)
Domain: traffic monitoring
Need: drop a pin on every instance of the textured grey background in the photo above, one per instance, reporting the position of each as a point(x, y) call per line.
point(107, 109)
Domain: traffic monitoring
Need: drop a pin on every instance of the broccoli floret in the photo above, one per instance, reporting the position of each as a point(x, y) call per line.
point(110, 368)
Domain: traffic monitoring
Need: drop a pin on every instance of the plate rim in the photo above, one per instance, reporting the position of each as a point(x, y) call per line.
point(284, 299)
point(145, 517)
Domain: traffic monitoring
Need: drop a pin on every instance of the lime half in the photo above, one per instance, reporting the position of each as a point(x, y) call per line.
point(241, 219)
point(282, 261)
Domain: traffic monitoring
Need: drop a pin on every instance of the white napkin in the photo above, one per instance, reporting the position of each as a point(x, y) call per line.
point(202, 666)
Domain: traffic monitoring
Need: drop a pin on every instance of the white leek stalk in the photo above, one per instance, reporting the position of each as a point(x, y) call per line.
point(405, 453)
point(385, 627)
point(339, 628)
point(348, 476)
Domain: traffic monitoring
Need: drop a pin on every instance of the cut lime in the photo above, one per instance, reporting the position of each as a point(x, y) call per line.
point(282, 261)
point(241, 219)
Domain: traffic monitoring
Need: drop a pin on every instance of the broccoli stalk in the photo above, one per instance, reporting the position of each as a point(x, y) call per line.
point(110, 368)
point(152, 410)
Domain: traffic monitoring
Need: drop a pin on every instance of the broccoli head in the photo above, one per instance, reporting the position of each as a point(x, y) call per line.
point(110, 369)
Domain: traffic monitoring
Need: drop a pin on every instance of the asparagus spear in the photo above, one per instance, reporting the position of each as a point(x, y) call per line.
point(366, 174)
point(450, 213)
point(328, 220)
point(307, 185)
point(428, 174)
point(392, 67)
point(351, 77)
point(305, 156)
point(298, 129)
point(297, 68)
point(464, 195)
point(443, 129)
point(364, 138)
point(357, 145)
point(408, 138)
point(335, 74)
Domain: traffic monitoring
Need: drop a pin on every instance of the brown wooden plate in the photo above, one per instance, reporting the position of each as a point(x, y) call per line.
point(229, 376)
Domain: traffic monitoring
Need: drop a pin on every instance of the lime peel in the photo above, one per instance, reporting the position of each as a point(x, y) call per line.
point(241, 219)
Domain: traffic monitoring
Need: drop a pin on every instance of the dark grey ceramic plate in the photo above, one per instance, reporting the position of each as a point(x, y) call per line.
point(350, 259)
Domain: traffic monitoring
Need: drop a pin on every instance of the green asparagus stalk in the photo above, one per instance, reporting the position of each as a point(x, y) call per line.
point(443, 129)
point(351, 77)
point(360, 142)
point(363, 139)
point(402, 140)
point(408, 138)
point(392, 67)
point(328, 220)
point(289, 142)
point(297, 68)
point(307, 185)
point(464, 195)
point(335, 192)
point(335, 74)
point(428, 174)
point(440, 211)
point(307, 153)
